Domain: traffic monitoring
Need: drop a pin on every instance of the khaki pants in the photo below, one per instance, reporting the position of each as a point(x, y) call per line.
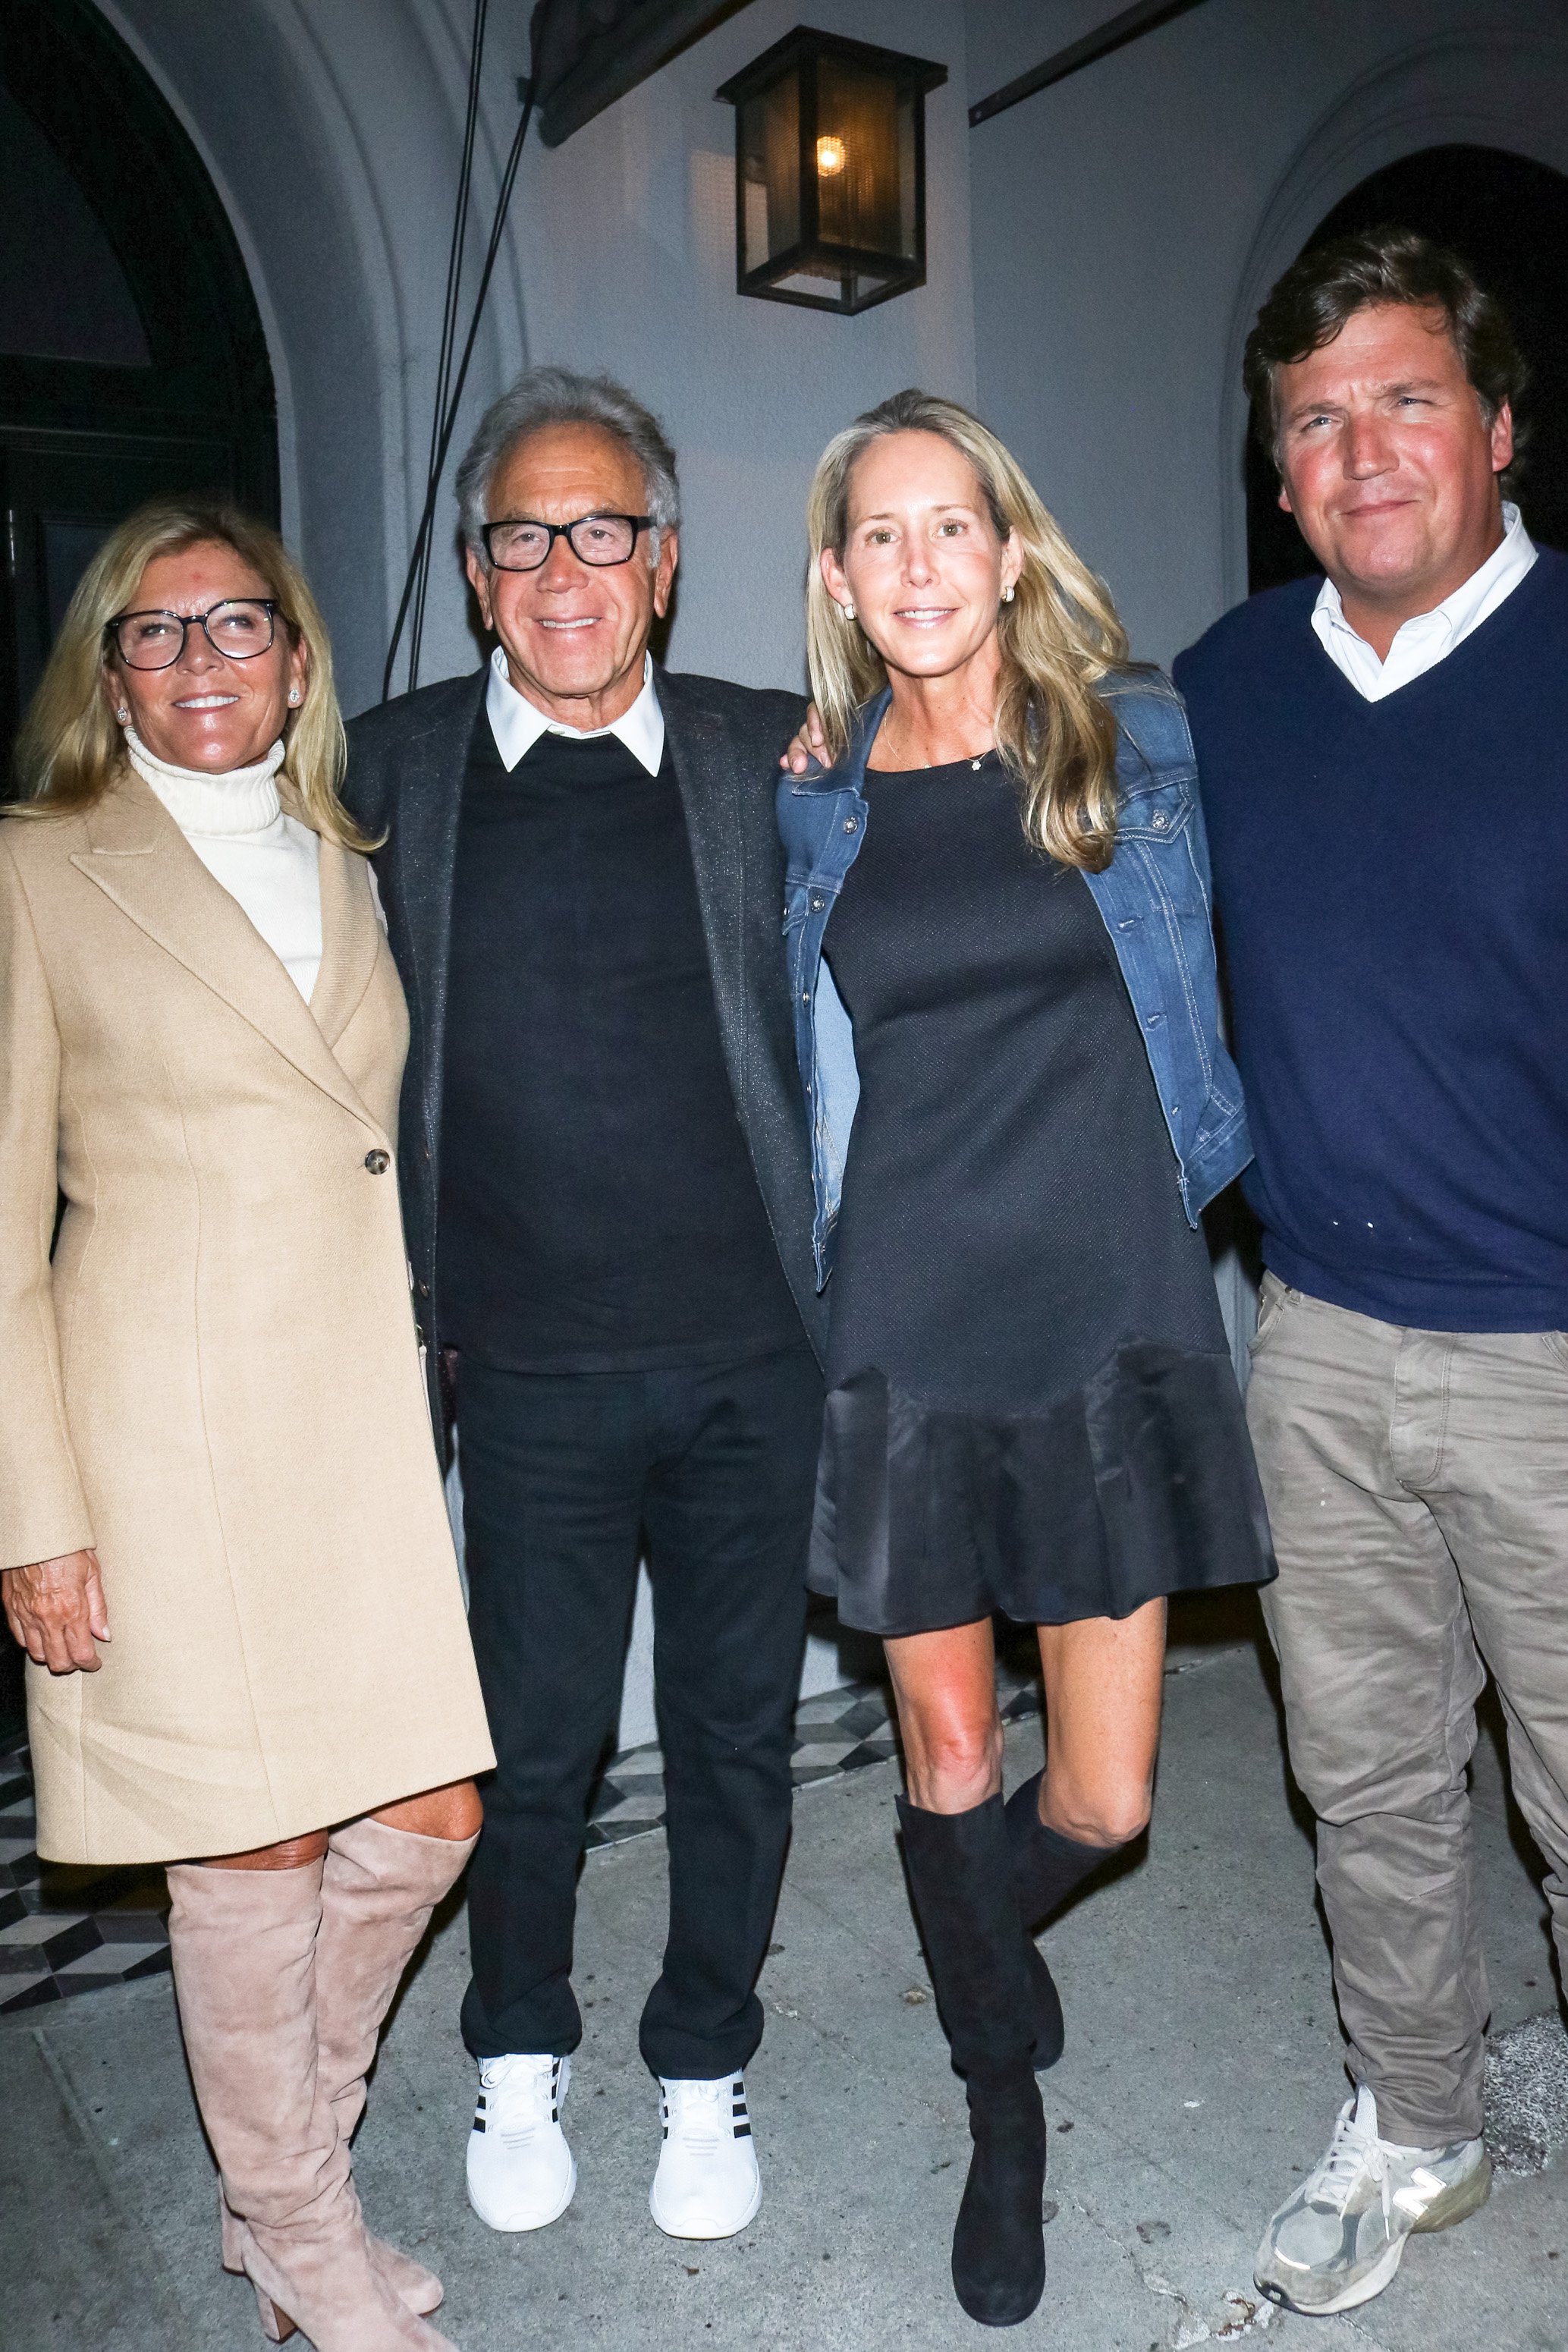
point(1417, 1487)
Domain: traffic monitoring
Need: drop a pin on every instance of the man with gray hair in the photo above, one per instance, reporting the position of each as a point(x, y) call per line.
point(607, 1189)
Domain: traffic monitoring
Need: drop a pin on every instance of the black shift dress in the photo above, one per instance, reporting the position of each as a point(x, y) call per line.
point(1032, 1403)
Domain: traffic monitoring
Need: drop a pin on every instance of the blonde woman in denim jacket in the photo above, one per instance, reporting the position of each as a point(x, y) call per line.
point(999, 944)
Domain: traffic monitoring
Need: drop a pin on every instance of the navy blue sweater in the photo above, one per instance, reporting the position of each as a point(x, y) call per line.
point(1390, 881)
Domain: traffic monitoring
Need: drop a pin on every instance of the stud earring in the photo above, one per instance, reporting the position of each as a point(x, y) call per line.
point(123, 715)
point(848, 610)
point(294, 694)
point(1007, 595)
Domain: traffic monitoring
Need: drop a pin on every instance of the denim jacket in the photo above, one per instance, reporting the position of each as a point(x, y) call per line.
point(1154, 897)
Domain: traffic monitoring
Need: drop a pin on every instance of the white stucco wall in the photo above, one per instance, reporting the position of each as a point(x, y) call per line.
point(332, 129)
point(1128, 222)
point(632, 271)
point(1094, 258)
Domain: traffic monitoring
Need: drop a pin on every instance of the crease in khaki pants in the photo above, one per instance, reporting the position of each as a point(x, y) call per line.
point(1417, 1489)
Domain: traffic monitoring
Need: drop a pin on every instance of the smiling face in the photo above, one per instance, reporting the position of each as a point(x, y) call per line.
point(922, 564)
point(1389, 466)
point(574, 634)
point(206, 711)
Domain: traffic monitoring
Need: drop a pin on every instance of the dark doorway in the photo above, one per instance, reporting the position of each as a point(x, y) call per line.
point(1509, 218)
point(132, 356)
point(132, 361)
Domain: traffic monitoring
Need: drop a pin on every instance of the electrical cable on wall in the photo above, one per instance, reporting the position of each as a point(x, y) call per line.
point(584, 54)
point(449, 313)
point(449, 382)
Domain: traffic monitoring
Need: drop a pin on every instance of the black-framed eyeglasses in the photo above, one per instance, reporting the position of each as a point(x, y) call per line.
point(239, 628)
point(520, 545)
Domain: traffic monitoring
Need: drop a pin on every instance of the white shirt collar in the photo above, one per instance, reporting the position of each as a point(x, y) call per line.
point(516, 724)
point(1420, 644)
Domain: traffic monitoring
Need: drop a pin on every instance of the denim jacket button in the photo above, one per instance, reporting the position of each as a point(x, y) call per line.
point(818, 904)
point(1159, 820)
point(851, 824)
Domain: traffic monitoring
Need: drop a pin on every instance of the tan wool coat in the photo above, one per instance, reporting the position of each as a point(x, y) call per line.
point(214, 1376)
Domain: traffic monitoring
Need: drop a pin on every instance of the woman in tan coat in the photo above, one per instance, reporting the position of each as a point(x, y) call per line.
point(222, 1529)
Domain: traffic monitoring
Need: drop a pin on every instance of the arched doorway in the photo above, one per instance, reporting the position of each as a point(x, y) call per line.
point(1509, 218)
point(132, 359)
point(132, 356)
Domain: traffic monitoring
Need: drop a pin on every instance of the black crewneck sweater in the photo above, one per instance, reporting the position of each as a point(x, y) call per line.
point(599, 1212)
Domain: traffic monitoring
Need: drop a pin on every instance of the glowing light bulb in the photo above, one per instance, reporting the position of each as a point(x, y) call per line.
point(831, 156)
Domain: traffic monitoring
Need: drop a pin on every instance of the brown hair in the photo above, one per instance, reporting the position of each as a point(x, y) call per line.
point(1329, 283)
point(1060, 635)
point(70, 751)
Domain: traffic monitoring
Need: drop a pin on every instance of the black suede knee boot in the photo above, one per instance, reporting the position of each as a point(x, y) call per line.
point(960, 1870)
point(1046, 1867)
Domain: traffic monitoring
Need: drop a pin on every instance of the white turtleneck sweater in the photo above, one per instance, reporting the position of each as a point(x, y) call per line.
point(264, 857)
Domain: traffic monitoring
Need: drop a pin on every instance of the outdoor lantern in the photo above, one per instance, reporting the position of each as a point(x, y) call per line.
point(830, 171)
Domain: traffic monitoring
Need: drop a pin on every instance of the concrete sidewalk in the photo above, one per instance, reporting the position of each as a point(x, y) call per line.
point(1202, 2073)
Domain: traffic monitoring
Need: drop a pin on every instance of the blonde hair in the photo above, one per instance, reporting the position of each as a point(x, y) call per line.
point(1060, 635)
point(69, 751)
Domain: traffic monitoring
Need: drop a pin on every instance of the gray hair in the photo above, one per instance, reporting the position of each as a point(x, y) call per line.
point(555, 395)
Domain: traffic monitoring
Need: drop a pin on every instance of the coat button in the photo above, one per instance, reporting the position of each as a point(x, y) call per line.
point(423, 1289)
point(378, 1162)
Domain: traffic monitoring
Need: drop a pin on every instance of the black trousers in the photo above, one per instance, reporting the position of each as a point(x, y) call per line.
point(565, 1478)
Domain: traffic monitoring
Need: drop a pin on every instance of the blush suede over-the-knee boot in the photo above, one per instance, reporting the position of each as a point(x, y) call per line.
point(379, 1887)
point(243, 1943)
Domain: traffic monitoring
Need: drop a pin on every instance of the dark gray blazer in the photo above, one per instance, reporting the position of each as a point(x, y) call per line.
point(406, 765)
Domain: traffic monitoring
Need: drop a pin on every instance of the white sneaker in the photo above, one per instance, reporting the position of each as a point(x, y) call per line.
point(708, 2184)
point(521, 2173)
point(1338, 2239)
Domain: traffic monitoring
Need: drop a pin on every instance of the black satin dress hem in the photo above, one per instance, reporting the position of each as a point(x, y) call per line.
point(1139, 1484)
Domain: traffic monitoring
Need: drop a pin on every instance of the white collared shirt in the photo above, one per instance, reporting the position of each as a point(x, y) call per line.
point(1424, 641)
point(516, 724)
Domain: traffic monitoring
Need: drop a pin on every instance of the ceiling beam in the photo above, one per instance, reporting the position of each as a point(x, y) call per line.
point(594, 54)
point(1129, 25)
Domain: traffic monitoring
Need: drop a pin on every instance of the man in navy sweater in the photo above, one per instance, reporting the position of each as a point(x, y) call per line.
point(1383, 758)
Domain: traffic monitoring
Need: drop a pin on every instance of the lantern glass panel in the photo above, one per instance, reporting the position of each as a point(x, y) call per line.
point(770, 165)
point(864, 160)
point(830, 188)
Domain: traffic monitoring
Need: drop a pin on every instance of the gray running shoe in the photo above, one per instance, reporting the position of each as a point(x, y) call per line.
point(1337, 2241)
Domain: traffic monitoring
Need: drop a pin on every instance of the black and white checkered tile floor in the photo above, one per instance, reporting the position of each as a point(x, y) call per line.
point(67, 1931)
point(64, 1932)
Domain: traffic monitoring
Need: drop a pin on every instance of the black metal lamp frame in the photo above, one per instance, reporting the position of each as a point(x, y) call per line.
point(796, 51)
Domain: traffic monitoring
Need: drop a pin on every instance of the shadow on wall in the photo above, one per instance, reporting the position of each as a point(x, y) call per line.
point(1508, 215)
